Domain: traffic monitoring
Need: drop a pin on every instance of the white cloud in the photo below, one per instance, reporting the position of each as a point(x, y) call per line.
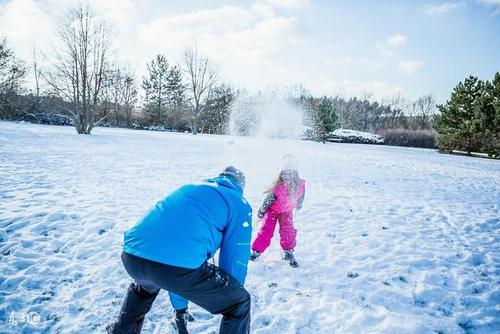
point(289, 4)
point(410, 66)
point(391, 43)
point(34, 23)
point(171, 34)
point(263, 9)
point(443, 8)
point(249, 47)
point(492, 3)
point(396, 40)
point(25, 25)
point(249, 43)
point(220, 32)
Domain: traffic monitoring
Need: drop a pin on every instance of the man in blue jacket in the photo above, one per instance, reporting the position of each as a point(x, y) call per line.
point(170, 247)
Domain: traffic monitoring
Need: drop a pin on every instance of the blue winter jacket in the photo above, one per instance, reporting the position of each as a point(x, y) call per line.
point(188, 226)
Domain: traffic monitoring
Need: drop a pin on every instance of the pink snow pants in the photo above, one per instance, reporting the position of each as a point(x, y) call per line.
point(287, 232)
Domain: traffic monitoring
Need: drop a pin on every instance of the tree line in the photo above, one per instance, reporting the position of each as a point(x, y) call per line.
point(83, 85)
point(397, 116)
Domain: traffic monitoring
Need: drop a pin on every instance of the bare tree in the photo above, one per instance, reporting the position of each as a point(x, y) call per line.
point(128, 97)
point(201, 76)
point(426, 107)
point(396, 105)
point(36, 74)
point(365, 110)
point(120, 94)
point(77, 75)
point(12, 74)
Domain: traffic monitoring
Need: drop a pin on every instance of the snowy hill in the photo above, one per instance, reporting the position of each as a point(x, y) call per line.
point(391, 240)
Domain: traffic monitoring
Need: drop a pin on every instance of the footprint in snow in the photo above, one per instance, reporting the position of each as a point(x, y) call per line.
point(55, 217)
point(352, 275)
point(262, 322)
point(41, 193)
point(420, 302)
point(402, 279)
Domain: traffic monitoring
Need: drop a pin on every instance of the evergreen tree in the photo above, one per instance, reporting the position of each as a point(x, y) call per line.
point(217, 110)
point(458, 125)
point(327, 120)
point(494, 127)
point(486, 123)
point(176, 96)
point(155, 86)
point(12, 74)
point(175, 87)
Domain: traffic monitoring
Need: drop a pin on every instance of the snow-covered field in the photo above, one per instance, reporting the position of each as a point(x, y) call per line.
point(391, 240)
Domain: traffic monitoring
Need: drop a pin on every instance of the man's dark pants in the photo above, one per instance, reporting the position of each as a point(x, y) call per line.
point(207, 286)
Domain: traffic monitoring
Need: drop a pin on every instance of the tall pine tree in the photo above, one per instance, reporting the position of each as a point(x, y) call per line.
point(217, 110)
point(454, 124)
point(155, 87)
point(469, 121)
point(486, 123)
point(176, 97)
point(495, 124)
point(326, 120)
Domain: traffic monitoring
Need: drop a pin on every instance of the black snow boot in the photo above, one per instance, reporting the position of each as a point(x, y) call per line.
point(136, 305)
point(255, 255)
point(290, 258)
point(181, 319)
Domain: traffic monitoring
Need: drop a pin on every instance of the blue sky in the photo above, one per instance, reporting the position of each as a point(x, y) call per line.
point(382, 48)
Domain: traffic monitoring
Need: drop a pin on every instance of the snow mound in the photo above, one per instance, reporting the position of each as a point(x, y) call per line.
point(353, 136)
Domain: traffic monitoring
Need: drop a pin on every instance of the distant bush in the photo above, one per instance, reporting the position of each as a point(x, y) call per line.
point(409, 138)
point(46, 118)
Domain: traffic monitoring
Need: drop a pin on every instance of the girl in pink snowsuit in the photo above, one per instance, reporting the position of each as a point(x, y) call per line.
point(282, 198)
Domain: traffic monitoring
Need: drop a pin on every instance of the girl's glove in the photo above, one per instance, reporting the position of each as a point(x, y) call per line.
point(268, 201)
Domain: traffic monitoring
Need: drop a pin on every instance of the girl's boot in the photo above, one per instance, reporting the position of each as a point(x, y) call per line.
point(290, 258)
point(255, 255)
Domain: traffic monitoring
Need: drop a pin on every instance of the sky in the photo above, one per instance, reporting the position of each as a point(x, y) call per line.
point(350, 48)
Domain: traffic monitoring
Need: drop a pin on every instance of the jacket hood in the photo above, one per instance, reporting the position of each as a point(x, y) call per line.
point(228, 182)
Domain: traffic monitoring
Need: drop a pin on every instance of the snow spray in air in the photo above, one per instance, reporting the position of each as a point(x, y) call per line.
point(258, 124)
point(266, 116)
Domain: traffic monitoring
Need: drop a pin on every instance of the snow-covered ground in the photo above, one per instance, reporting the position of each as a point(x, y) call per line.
point(391, 240)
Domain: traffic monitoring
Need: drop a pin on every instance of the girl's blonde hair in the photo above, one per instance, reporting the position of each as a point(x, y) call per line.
point(290, 177)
